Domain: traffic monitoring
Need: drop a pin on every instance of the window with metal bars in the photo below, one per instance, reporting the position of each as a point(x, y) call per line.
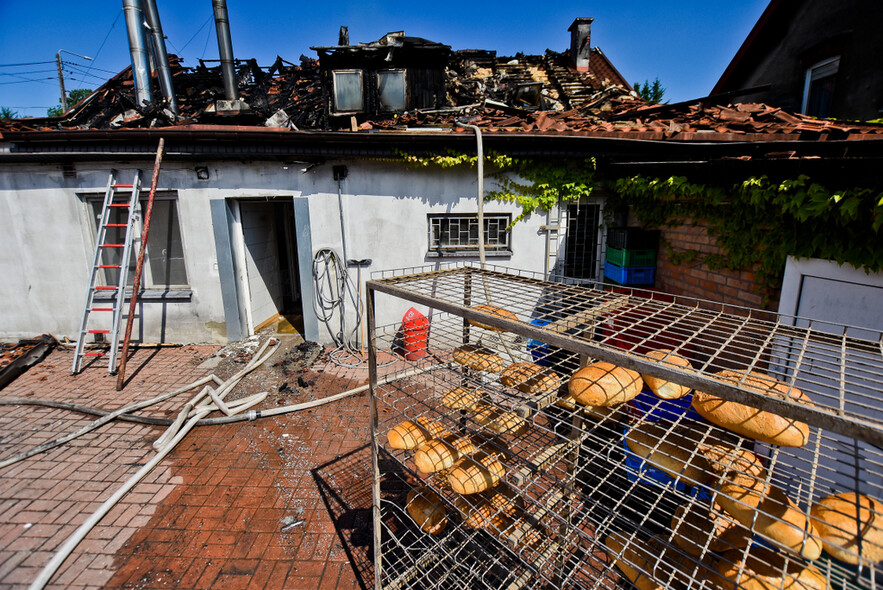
point(452, 235)
point(164, 259)
point(582, 249)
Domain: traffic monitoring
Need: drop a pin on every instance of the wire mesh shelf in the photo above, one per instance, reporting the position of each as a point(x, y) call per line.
point(509, 482)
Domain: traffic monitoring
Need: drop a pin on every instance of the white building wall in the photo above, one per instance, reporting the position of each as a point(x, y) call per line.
point(46, 242)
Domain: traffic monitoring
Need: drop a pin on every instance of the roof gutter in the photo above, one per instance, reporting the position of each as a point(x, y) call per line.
point(138, 51)
point(160, 56)
point(225, 49)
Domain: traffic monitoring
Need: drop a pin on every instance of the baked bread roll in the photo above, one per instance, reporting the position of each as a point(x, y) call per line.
point(751, 422)
point(650, 565)
point(661, 387)
point(462, 398)
point(772, 513)
point(838, 518)
point(479, 358)
point(530, 378)
point(673, 450)
point(723, 457)
point(493, 510)
point(765, 569)
point(694, 525)
point(480, 472)
point(407, 436)
point(441, 453)
point(427, 510)
point(434, 428)
point(499, 420)
point(493, 310)
point(604, 384)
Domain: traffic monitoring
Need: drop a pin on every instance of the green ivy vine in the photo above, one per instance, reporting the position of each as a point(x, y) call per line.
point(756, 223)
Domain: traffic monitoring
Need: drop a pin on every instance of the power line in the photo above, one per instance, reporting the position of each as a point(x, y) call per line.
point(25, 81)
point(100, 47)
point(27, 63)
point(28, 73)
point(180, 51)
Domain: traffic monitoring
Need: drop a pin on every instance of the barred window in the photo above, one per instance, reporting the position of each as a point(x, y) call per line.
point(458, 234)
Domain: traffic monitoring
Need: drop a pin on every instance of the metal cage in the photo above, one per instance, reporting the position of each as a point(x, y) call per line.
point(574, 505)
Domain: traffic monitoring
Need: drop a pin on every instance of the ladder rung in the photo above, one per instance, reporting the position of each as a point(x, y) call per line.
point(99, 331)
point(108, 266)
point(123, 186)
point(100, 309)
point(107, 288)
point(118, 205)
point(115, 225)
point(94, 354)
point(111, 245)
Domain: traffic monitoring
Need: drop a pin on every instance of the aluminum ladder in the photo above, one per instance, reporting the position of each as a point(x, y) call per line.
point(112, 194)
point(556, 221)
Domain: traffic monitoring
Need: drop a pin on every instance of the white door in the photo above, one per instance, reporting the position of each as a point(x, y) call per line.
point(261, 260)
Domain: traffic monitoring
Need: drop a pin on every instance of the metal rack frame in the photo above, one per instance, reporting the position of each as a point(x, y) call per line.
point(841, 374)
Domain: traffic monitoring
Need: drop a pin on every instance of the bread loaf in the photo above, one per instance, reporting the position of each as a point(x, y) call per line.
point(751, 422)
point(441, 453)
point(407, 436)
point(499, 420)
point(649, 565)
point(435, 429)
point(723, 457)
point(462, 398)
point(493, 310)
point(471, 475)
point(671, 449)
point(427, 510)
point(765, 569)
point(530, 378)
point(771, 512)
point(662, 387)
point(479, 358)
point(694, 525)
point(604, 384)
point(493, 510)
point(839, 519)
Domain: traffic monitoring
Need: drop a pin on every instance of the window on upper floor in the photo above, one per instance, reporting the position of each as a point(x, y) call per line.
point(348, 91)
point(457, 234)
point(164, 259)
point(391, 90)
point(818, 91)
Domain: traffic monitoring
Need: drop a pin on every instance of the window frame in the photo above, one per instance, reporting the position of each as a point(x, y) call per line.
point(817, 71)
point(334, 74)
point(405, 95)
point(93, 203)
point(459, 250)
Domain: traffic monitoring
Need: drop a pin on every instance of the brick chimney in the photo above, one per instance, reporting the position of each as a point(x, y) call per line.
point(580, 39)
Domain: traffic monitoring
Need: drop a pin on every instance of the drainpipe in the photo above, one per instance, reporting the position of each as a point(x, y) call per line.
point(159, 54)
point(225, 49)
point(479, 150)
point(138, 50)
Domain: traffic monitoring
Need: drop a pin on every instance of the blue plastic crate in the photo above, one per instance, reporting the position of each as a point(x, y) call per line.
point(654, 409)
point(630, 275)
point(539, 351)
point(637, 469)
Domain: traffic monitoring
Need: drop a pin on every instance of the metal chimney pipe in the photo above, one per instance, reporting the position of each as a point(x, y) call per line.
point(138, 50)
point(225, 49)
point(160, 56)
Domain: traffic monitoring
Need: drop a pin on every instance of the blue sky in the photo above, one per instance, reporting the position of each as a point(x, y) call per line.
point(686, 43)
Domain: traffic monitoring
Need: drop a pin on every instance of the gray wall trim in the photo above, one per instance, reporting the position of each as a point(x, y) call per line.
point(221, 222)
point(305, 266)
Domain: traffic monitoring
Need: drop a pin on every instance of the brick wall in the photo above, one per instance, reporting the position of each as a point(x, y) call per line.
point(694, 279)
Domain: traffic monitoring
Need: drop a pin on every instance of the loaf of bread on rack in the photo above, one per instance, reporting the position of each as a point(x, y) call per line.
point(850, 525)
point(672, 448)
point(499, 420)
point(530, 378)
point(604, 384)
point(662, 387)
point(723, 456)
point(699, 528)
point(410, 435)
point(462, 398)
point(652, 564)
point(492, 310)
point(769, 512)
point(441, 453)
point(751, 422)
point(765, 569)
point(479, 358)
point(493, 510)
point(476, 473)
point(427, 510)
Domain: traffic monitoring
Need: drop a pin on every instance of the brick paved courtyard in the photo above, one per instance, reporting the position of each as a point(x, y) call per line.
point(281, 502)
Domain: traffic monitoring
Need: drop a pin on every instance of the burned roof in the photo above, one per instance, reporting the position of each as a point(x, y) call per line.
point(507, 95)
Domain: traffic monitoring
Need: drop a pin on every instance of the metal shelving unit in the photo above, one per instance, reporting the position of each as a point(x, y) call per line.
point(578, 484)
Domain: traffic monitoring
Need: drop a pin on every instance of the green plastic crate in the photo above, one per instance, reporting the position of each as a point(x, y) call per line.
point(625, 257)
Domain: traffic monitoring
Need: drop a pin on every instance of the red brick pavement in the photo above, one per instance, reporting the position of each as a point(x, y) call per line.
point(211, 514)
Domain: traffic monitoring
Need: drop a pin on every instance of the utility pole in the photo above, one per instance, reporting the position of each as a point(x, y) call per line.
point(61, 75)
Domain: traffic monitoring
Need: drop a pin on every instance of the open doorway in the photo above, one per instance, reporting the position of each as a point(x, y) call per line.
point(270, 279)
